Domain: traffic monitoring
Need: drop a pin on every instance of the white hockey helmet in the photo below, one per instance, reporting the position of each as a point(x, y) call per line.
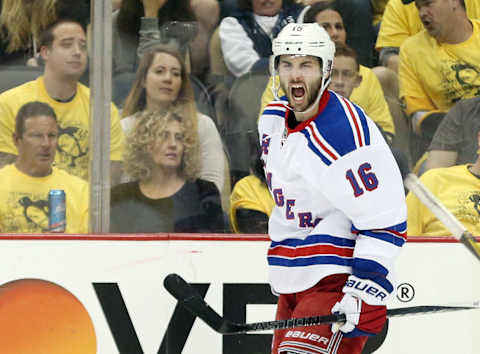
point(304, 39)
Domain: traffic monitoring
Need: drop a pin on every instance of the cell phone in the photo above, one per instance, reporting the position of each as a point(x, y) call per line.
point(179, 31)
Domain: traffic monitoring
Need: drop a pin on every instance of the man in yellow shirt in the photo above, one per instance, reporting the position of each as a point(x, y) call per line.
point(401, 20)
point(26, 183)
point(458, 188)
point(63, 48)
point(439, 65)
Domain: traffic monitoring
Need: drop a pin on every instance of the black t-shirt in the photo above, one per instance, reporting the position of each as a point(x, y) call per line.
point(196, 207)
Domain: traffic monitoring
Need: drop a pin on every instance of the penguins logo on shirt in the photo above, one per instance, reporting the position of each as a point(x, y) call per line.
point(475, 199)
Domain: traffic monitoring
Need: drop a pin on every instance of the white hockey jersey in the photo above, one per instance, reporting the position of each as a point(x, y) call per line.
point(339, 199)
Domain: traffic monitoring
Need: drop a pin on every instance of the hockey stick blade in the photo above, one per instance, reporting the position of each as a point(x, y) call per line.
point(191, 299)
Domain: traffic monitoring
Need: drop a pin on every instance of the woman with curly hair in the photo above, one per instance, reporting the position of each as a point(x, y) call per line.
point(22, 21)
point(162, 84)
point(162, 156)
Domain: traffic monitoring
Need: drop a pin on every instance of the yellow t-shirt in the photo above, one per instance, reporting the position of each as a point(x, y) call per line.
point(24, 201)
point(434, 76)
point(458, 190)
point(401, 21)
point(369, 96)
point(249, 193)
point(73, 123)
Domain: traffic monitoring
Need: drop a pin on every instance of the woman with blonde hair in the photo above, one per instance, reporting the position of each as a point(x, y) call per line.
point(22, 21)
point(167, 196)
point(162, 84)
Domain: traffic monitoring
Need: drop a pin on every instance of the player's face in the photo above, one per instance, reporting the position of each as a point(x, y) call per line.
point(67, 56)
point(163, 81)
point(300, 79)
point(36, 147)
point(167, 150)
point(436, 16)
point(266, 7)
point(333, 24)
point(345, 76)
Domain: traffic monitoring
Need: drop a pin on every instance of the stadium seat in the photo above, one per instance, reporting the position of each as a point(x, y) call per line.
point(13, 76)
point(202, 98)
point(121, 84)
point(220, 80)
point(243, 108)
point(217, 64)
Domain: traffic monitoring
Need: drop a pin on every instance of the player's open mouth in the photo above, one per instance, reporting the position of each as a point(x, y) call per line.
point(298, 92)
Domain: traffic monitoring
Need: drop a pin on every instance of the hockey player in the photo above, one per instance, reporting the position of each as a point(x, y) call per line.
point(339, 219)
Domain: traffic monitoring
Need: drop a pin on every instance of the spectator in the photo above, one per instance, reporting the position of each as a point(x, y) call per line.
point(162, 83)
point(246, 38)
point(368, 94)
point(166, 196)
point(439, 66)
point(458, 188)
point(138, 23)
point(358, 18)
point(345, 72)
point(400, 21)
point(26, 183)
point(20, 31)
point(454, 142)
point(63, 48)
point(250, 202)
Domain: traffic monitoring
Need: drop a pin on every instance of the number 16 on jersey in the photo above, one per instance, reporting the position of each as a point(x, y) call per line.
point(367, 177)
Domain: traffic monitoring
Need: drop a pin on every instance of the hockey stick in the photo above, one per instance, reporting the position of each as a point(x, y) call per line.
point(442, 213)
point(191, 299)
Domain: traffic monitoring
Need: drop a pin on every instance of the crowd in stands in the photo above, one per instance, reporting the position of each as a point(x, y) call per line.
point(183, 155)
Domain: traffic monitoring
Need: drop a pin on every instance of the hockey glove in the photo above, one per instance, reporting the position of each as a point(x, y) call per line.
point(362, 319)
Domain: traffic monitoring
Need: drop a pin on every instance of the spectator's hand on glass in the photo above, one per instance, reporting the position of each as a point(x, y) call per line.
point(151, 7)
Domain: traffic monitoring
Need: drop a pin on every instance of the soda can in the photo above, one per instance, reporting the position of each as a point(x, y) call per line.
point(57, 217)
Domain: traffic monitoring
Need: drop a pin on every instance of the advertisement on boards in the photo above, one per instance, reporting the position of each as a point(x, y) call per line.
point(106, 296)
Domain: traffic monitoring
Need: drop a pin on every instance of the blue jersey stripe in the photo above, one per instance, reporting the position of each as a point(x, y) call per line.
point(315, 239)
point(307, 261)
point(400, 228)
point(317, 152)
point(386, 234)
point(274, 112)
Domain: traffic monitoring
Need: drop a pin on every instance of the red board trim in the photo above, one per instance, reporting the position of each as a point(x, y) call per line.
point(182, 237)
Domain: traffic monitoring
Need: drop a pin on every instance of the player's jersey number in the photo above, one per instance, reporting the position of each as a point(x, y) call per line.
point(366, 176)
